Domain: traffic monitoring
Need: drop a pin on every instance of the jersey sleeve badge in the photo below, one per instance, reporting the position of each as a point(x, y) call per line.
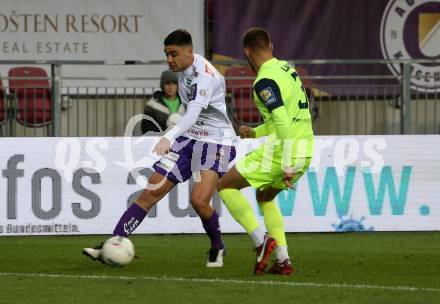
point(192, 92)
point(202, 92)
point(267, 96)
point(269, 93)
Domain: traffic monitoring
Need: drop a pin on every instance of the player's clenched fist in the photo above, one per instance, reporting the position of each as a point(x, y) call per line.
point(162, 147)
point(288, 176)
point(246, 132)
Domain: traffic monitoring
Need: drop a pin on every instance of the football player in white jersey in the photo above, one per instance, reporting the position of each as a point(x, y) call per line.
point(199, 145)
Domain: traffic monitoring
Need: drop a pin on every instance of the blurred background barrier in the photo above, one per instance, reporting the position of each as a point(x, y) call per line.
point(33, 103)
point(80, 185)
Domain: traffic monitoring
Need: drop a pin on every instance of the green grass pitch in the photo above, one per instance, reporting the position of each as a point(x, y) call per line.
point(369, 267)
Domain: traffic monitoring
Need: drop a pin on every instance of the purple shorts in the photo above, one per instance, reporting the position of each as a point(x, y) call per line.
point(188, 156)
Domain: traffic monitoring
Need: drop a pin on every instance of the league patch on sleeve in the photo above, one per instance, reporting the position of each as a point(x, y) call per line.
point(202, 92)
point(269, 93)
point(267, 96)
point(193, 92)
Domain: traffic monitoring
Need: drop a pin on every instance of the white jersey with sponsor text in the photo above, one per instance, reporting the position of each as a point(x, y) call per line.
point(203, 85)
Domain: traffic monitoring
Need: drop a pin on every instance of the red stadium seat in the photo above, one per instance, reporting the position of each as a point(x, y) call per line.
point(304, 77)
point(307, 82)
point(239, 90)
point(2, 104)
point(31, 90)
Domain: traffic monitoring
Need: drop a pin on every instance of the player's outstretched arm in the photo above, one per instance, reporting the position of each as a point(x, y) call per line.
point(269, 93)
point(283, 124)
point(184, 124)
point(246, 132)
point(261, 130)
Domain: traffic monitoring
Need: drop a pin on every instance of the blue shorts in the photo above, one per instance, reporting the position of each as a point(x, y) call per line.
point(188, 156)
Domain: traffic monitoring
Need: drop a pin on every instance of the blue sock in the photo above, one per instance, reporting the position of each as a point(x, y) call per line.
point(129, 221)
point(212, 228)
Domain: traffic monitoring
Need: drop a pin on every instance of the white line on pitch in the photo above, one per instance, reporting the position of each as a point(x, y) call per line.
point(223, 281)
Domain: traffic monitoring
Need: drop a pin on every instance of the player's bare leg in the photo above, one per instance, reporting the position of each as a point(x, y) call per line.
point(275, 226)
point(150, 196)
point(201, 195)
point(158, 187)
point(232, 179)
point(229, 189)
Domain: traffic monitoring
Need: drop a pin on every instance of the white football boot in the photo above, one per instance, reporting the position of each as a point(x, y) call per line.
point(94, 253)
point(215, 258)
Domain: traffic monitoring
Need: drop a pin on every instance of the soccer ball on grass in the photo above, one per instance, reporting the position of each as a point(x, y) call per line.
point(118, 251)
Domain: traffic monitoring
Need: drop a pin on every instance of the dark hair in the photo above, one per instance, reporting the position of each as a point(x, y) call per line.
point(179, 37)
point(256, 38)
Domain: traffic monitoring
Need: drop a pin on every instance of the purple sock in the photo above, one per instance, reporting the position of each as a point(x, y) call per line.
point(129, 221)
point(212, 228)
